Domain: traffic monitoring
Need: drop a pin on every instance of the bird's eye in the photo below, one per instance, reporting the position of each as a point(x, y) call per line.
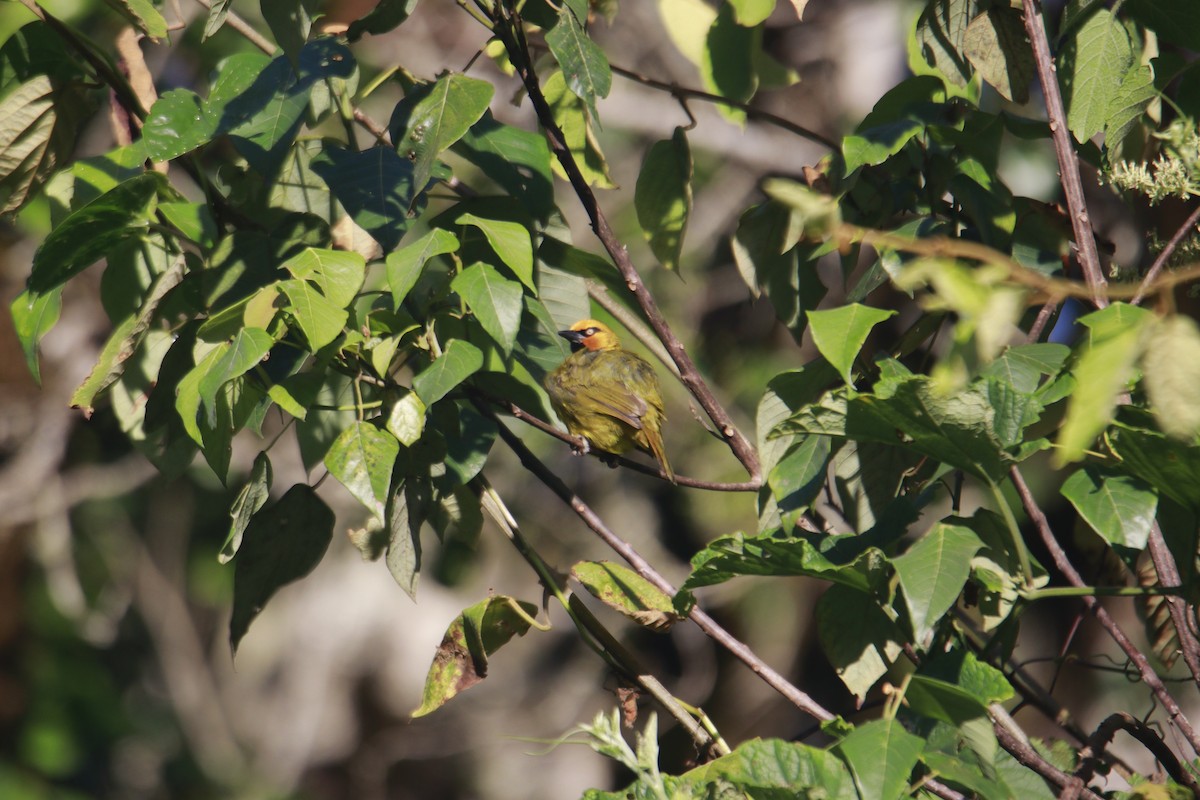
point(591, 331)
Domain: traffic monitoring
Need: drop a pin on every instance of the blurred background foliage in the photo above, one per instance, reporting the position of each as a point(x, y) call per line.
point(116, 679)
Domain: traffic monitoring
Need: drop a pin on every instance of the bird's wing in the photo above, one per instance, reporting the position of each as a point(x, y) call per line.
point(618, 402)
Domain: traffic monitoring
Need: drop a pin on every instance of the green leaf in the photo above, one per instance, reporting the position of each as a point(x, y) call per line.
point(467, 447)
point(320, 320)
point(995, 44)
point(749, 13)
point(187, 395)
point(217, 13)
point(954, 428)
point(571, 115)
point(460, 360)
point(1091, 68)
point(250, 500)
point(1023, 366)
point(144, 16)
point(405, 513)
point(375, 186)
point(511, 242)
point(442, 115)
point(1101, 373)
point(125, 340)
point(933, 572)
point(1172, 20)
point(406, 420)
point(246, 350)
point(91, 232)
point(663, 197)
point(281, 544)
point(776, 556)
point(386, 16)
point(476, 634)
point(517, 160)
point(1171, 374)
point(943, 701)
point(772, 769)
point(194, 220)
point(941, 29)
point(404, 266)
point(623, 590)
point(728, 61)
point(338, 274)
point(1127, 105)
point(839, 333)
point(881, 754)
point(583, 63)
point(493, 299)
point(177, 124)
point(27, 154)
point(1169, 465)
point(770, 262)
point(290, 22)
point(361, 459)
point(33, 317)
point(798, 477)
point(1118, 507)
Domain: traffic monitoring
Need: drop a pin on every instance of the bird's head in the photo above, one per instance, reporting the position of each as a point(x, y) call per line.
point(589, 334)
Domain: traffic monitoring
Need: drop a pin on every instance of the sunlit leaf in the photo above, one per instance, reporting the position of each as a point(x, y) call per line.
point(474, 636)
point(663, 196)
point(932, 573)
point(839, 333)
point(460, 360)
point(583, 63)
point(361, 459)
point(881, 755)
point(623, 590)
point(493, 299)
point(1118, 507)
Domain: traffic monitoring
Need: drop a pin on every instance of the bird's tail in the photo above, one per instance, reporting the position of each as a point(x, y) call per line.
point(655, 440)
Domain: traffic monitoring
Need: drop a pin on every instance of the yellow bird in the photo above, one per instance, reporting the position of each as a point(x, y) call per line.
point(608, 395)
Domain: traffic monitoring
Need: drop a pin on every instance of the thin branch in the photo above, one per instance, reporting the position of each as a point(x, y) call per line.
point(1169, 578)
point(234, 21)
point(507, 30)
point(1145, 670)
point(1185, 230)
point(1013, 739)
point(680, 480)
point(1068, 164)
point(1039, 324)
point(682, 93)
point(643, 568)
point(1121, 721)
point(594, 634)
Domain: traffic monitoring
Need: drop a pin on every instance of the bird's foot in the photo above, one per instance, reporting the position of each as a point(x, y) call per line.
point(609, 459)
point(581, 447)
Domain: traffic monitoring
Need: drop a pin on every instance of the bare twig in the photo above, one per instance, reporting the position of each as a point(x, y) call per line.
point(234, 21)
point(1068, 164)
point(509, 31)
point(1119, 721)
point(680, 480)
point(643, 568)
point(683, 92)
point(1145, 670)
point(1039, 324)
point(1169, 577)
point(1013, 739)
point(1185, 230)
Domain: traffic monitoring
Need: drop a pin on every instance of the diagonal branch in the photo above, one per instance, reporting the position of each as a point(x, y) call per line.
point(1068, 164)
point(1169, 578)
point(1185, 230)
point(1145, 670)
point(508, 30)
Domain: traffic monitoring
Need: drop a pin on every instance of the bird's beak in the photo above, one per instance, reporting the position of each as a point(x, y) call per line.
point(574, 337)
